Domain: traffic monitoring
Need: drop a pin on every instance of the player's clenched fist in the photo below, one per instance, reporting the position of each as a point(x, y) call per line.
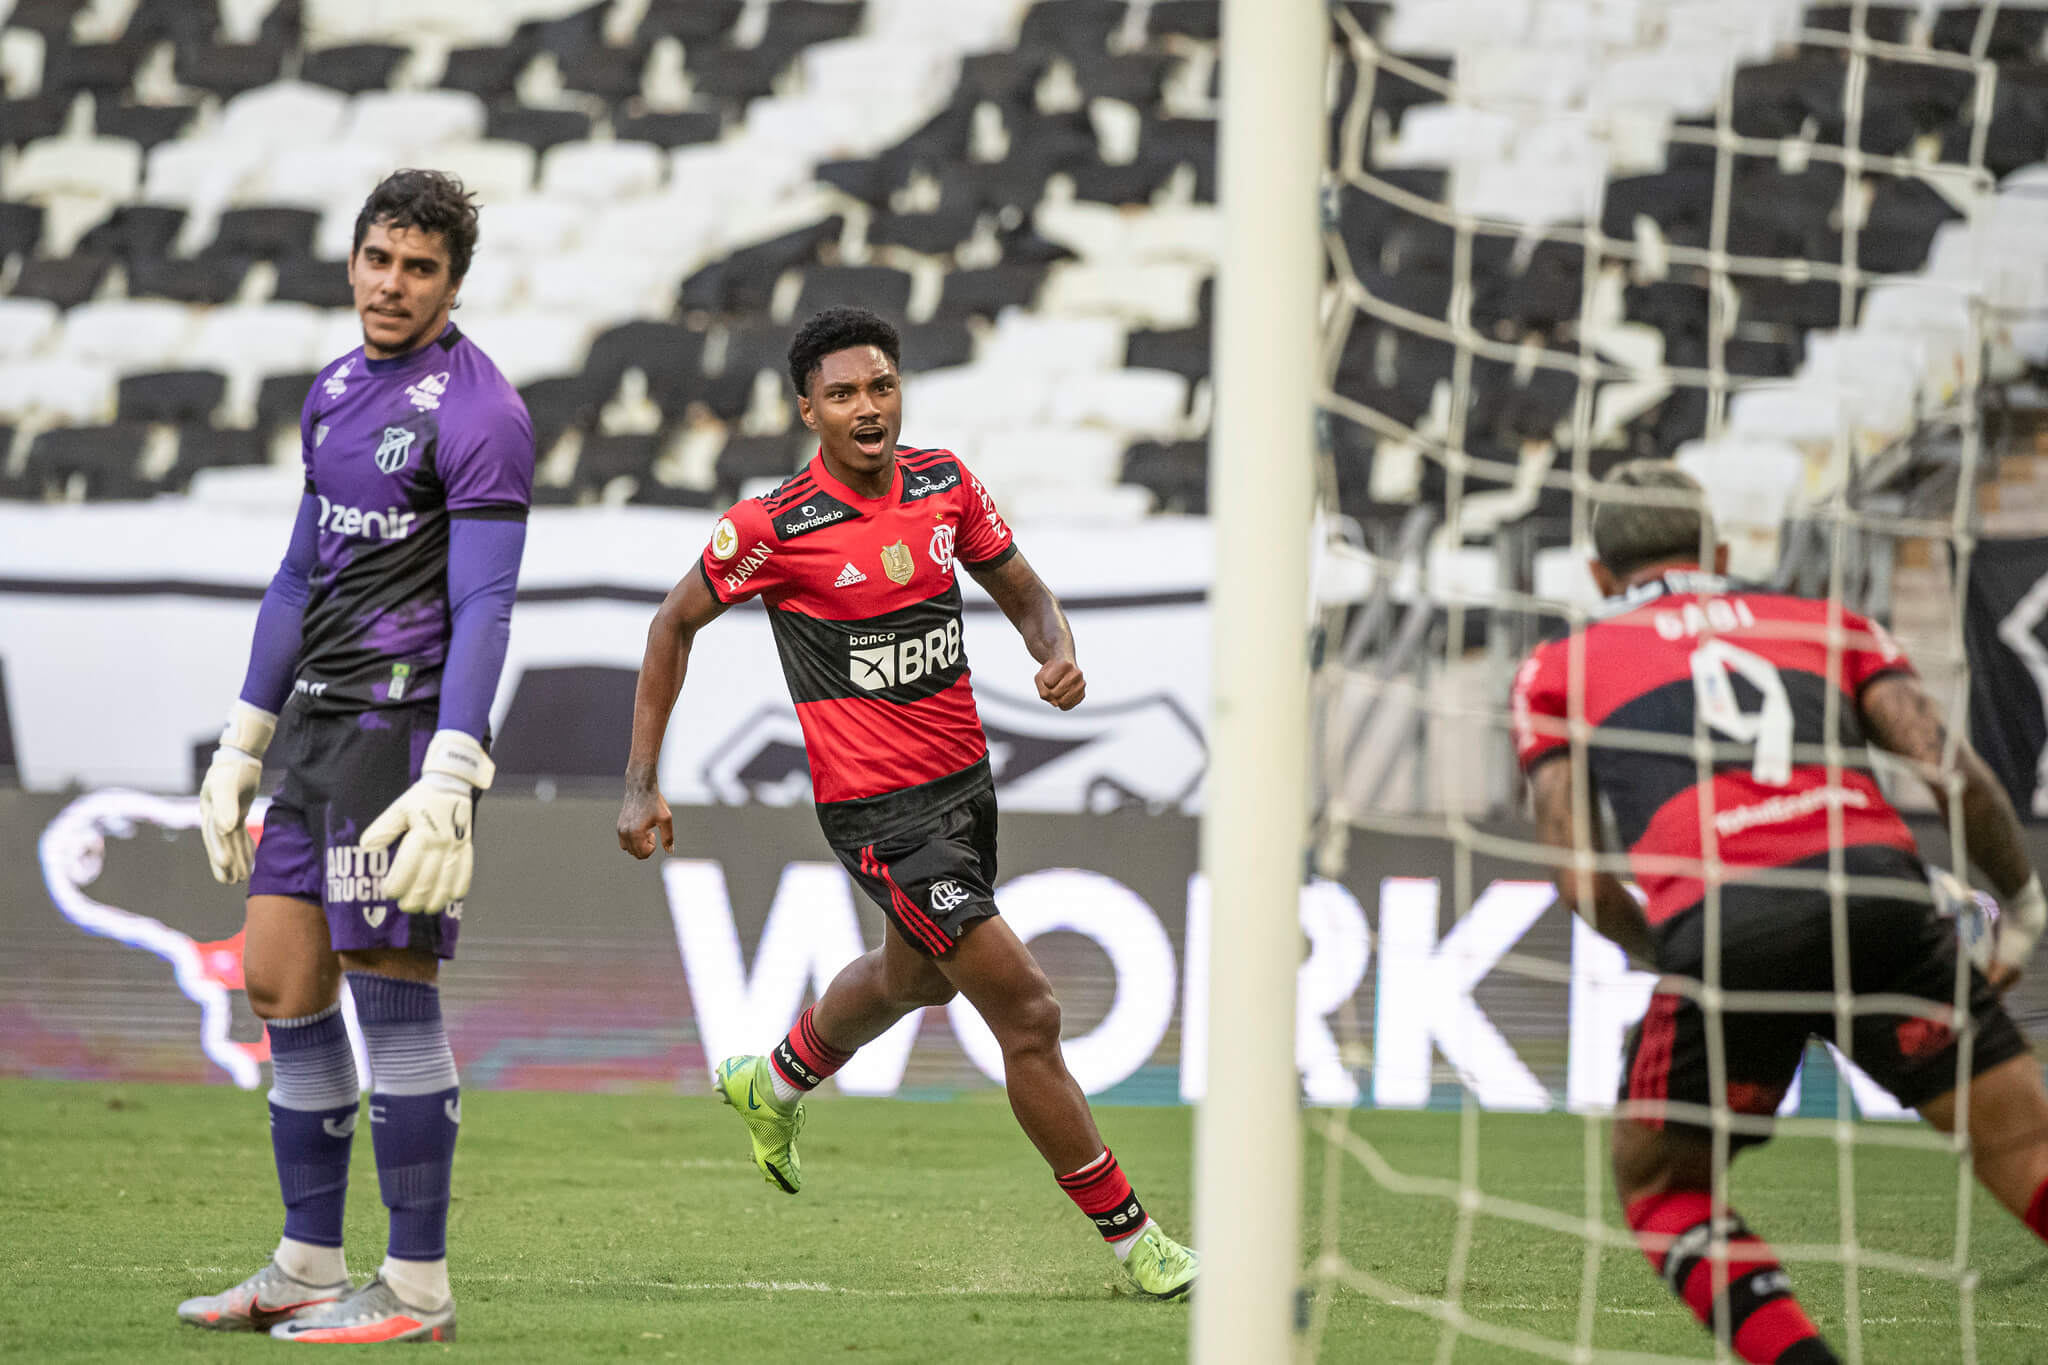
point(643, 815)
point(1061, 684)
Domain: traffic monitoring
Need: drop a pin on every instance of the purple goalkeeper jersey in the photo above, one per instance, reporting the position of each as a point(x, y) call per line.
point(394, 449)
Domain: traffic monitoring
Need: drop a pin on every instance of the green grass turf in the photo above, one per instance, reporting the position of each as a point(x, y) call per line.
point(631, 1227)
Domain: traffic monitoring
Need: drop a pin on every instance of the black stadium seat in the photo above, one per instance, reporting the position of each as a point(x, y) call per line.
point(1072, 27)
point(106, 456)
point(146, 125)
point(610, 73)
point(984, 293)
point(1136, 78)
point(1177, 474)
point(280, 398)
point(735, 73)
point(66, 281)
point(37, 116)
point(229, 69)
point(1006, 78)
point(267, 233)
point(689, 20)
point(539, 129)
point(21, 227)
point(652, 492)
point(486, 72)
point(605, 458)
point(670, 356)
point(753, 457)
point(680, 128)
point(324, 284)
point(555, 405)
point(877, 288)
point(936, 346)
point(352, 68)
point(102, 68)
point(1885, 23)
point(933, 234)
point(1135, 183)
point(1201, 19)
point(171, 396)
point(799, 23)
point(205, 447)
point(2016, 31)
point(748, 352)
point(1185, 351)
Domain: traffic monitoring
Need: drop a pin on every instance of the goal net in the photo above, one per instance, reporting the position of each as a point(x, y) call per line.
point(1764, 240)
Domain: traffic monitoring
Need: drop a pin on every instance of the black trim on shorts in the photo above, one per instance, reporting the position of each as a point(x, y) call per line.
point(876, 819)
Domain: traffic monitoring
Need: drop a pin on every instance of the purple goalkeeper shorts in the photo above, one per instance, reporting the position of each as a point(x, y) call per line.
point(340, 774)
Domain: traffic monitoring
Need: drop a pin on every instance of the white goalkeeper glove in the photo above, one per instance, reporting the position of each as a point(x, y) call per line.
point(434, 862)
point(2020, 921)
point(229, 787)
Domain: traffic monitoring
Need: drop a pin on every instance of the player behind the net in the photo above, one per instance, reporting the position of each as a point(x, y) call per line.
point(1677, 643)
point(855, 558)
point(385, 628)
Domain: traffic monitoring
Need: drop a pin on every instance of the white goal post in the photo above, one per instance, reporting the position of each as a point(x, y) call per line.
point(1255, 821)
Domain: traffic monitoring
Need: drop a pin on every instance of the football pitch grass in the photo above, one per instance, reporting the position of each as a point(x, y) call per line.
point(595, 1227)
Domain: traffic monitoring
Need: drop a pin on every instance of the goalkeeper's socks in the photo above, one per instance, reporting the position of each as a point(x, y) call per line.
point(1765, 1323)
point(415, 1109)
point(1100, 1191)
point(802, 1060)
point(313, 1094)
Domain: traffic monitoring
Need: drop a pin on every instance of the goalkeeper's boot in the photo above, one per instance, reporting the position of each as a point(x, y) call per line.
point(748, 1086)
point(372, 1314)
point(1159, 1267)
point(268, 1297)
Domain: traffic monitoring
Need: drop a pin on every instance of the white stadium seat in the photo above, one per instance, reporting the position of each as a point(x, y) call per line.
point(416, 120)
point(738, 172)
point(1182, 232)
point(496, 281)
point(1075, 505)
point(25, 324)
point(495, 171)
point(1061, 456)
point(534, 225)
point(104, 166)
point(971, 398)
point(530, 344)
point(201, 171)
point(283, 112)
point(1140, 402)
point(1159, 295)
point(1038, 345)
point(56, 390)
point(1424, 26)
point(1448, 135)
point(1096, 231)
point(131, 334)
point(320, 175)
point(597, 172)
point(605, 285)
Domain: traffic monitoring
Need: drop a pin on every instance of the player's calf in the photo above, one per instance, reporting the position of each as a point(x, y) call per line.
point(1664, 1182)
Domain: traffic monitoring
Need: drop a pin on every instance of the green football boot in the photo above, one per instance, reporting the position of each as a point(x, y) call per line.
point(748, 1086)
point(1159, 1267)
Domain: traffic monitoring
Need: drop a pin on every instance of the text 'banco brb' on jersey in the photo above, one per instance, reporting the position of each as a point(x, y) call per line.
point(865, 604)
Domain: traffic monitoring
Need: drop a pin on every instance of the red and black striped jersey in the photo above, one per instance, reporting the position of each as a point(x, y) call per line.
point(865, 605)
point(1754, 668)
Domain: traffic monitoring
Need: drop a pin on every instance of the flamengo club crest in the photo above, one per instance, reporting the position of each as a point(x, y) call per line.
point(395, 449)
point(896, 562)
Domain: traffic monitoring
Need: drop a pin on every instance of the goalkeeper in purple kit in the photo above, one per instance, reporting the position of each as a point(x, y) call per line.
point(376, 655)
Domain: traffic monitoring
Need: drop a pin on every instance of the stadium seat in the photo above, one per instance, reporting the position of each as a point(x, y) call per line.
point(145, 125)
point(985, 293)
point(1045, 345)
point(281, 396)
point(936, 346)
point(266, 233)
point(735, 74)
point(1186, 351)
point(671, 357)
point(228, 69)
point(555, 405)
point(127, 334)
point(1176, 474)
point(604, 458)
point(972, 399)
point(414, 120)
point(540, 129)
point(744, 459)
point(1074, 28)
point(670, 129)
point(64, 281)
point(600, 285)
point(689, 20)
point(494, 171)
point(323, 284)
point(170, 396)
point(21, 228)
point(878, 288)
point(1140, 402)
point(610, 73)
point(533, 226)
point(282, 113)
point(528, 344)
point(600, 172)
point(103, 167)
point(1069, 457)
point(1157, 295)
point(32, 118)
point(105, 456)
point(205, 447)
point(930, 234)
point(56, 390)
point(486, 72)
point(353, 68)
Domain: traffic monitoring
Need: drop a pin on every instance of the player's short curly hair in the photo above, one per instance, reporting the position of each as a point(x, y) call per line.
point(836, 329)
point(1631, 534)
point(430, 201)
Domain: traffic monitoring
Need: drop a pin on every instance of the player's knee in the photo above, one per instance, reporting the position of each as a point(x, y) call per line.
point(1032, 1024)
point(270, 997)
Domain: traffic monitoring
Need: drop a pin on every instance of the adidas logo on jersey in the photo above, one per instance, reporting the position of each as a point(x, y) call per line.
point(849, 576)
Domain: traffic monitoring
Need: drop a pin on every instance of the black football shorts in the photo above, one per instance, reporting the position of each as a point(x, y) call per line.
point(936, 879)
point(1781, 939)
